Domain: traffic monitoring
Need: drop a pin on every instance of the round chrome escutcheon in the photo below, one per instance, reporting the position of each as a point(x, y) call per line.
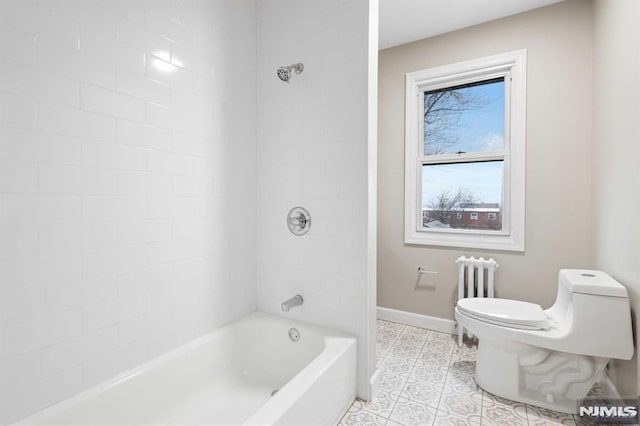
point(294, 334)
point(298, 221)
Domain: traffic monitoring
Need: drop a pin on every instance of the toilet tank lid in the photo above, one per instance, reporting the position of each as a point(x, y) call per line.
point(593, 282)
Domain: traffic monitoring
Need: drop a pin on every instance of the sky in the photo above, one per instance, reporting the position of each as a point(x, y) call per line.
point(478, 130)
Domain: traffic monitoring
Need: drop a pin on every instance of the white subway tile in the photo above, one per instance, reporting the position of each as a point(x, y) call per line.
point(160, 183)
point(159, 115)
point(16, 339)
point(17, 111)
point(159, 22)
point(133, 183)
point(144, 231)
point(100, 262)
point(133, 330)
point(18, 176)
point(135, 281)
point(59, 149)
point(111, 103)
point(131, 307)
point(170, 162)
point(109, 208)
point(18, 241)
point(130, 356)
point(21, 306)
point(144, 135)
point(169, 207)
point(99, 342)
point(17, 46)
point(74, 64)
point(63, 298)
point(99, 234)
point(28, 209)
point(62, 356)
point(131, 207)
point(21, 369)
point(98, 370)
point(144, 88)
point(56, 179)
point(58, 209)
point(60, 327)
point(100, 315)
point(59, 386)
point(59, 238)
point(27, 81)
point(136, 35)
point(17, 274)
point(133, 257)
point(75, 122)
point(113, 156)
point(59, 270)
point(98, 289)
point(18, 144)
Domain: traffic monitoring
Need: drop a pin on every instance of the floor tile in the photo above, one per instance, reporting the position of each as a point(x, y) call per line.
point(467, 405)
point(411, 413)
point(543, 417)
point(463, 368)
point(435, 358)
point(381, 405)
point(460, 382)
point(362, 418)
point(444, 418)
point(417, 331)
point(391, 382)
point(398, 365)
point(405, 351)
point(497, 411)
point(425, 378)
point(423, 392)
point(429, 373)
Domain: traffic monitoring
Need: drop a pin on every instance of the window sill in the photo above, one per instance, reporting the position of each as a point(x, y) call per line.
point(462, 240)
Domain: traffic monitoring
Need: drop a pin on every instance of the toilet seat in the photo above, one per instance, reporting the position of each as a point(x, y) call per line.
point(505, 313)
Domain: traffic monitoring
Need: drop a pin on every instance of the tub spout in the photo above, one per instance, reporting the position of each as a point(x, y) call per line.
point(296, 300)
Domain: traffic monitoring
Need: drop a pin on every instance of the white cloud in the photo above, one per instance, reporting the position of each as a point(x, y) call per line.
point(492, 142)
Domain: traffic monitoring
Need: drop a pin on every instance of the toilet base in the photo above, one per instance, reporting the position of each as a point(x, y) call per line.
point(536, 376)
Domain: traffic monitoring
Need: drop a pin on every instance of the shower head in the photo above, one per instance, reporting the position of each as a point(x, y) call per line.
point(284, 73)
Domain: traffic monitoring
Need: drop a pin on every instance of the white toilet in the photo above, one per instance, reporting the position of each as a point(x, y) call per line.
point(550, 358)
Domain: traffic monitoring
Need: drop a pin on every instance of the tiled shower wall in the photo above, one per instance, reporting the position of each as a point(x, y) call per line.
point(312, 152)
point(128, 186)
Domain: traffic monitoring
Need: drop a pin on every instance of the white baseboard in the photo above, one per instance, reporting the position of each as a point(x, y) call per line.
point(417, 320)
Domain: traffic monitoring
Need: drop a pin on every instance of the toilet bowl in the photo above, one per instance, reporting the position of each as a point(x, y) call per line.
point(550, 358)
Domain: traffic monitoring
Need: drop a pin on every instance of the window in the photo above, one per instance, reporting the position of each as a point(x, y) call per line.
point(465, 145)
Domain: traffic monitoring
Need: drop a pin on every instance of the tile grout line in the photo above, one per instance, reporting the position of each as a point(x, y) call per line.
point(415, 361)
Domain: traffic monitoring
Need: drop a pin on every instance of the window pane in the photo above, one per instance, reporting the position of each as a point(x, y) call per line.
point(467, 118)
point(462, 195)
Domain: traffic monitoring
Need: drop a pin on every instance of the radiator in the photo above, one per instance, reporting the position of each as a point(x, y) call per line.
point(475, 279)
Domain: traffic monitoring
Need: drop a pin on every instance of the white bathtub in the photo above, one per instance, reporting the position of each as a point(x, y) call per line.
point(226, 378)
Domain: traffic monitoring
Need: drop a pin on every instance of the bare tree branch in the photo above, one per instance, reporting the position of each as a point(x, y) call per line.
point(442, 112)
point(445, 203)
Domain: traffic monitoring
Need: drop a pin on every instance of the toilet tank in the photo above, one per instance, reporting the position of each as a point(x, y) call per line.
point(592, 311)
point(591, 282)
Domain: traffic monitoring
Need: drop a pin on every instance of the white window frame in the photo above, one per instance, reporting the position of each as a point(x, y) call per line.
point(512, 66)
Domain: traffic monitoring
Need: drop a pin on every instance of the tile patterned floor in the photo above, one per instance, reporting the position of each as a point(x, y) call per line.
point(425, 379)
